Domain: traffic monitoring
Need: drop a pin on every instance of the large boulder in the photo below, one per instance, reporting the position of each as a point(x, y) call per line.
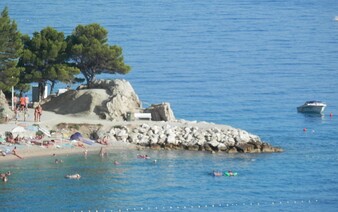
point(122, 98)
point(4, 108)
point(108, 99)
point(161, 112)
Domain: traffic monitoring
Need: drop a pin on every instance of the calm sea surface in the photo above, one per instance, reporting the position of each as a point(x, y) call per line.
point(244, 63)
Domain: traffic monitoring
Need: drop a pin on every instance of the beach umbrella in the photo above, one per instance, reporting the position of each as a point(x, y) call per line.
point(19, 129)
point(32, 128)
point(76, 136)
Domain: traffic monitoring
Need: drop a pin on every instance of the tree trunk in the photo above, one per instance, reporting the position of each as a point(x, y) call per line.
point(52, 84)
point(41, 86)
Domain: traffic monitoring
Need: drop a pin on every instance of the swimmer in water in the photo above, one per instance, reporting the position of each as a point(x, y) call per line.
point(73, 176)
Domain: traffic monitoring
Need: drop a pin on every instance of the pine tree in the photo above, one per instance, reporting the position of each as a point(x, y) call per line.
point(10, 50)
point(89, 50)
point(44, 58)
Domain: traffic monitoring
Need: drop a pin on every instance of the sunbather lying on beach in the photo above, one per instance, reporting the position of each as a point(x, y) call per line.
point(8, 151)
point(10, 138)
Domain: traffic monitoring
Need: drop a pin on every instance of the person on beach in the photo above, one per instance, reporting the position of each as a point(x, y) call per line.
point(16, 113)
point(22, 103)
point(15, 101)
point(26, 101)
point(14, 153)
point(10, 138)
point(37, 113)
point(103, 140)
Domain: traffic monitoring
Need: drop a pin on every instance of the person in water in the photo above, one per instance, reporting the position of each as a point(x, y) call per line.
point(217, 174)
point(230, 173)
point(103, 152)
point(3, 176)
point(58, 161)
point(73, 176)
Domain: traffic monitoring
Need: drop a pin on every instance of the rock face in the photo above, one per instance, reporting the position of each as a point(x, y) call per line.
point(192, 136)
point(109, 99)
point(160, 112)
point(4, 107)
point(122, 98)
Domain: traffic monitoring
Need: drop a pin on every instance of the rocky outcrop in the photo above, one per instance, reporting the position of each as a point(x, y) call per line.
point(5, 110)
point(116, 100)
point(108, 99)
point(160, 112)
point(192, 136)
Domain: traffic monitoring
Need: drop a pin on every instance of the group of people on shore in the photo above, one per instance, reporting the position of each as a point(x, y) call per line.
point(20, 105)
point(24, 109)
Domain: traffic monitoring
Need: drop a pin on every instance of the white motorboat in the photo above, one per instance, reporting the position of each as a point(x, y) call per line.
point(312, 107)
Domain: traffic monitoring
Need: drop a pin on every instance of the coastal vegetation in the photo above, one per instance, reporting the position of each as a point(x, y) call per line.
point(49, 57)
point(90, 52)
point(10, 50)
point(44, 59)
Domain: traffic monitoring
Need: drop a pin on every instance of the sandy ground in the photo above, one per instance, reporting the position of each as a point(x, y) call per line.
point(48, 121)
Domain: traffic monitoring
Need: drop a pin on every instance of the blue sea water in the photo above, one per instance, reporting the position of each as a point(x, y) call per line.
point(244, 63)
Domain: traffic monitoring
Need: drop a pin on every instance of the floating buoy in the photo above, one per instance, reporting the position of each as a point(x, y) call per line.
point(331, 115)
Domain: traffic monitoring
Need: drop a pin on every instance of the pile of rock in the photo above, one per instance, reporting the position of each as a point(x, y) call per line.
point(192, 136)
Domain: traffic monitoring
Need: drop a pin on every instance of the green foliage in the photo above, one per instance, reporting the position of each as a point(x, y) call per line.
point(44, 58)
point(48, 57)
point(22, 88)
point(10, 50)
point(89, 50)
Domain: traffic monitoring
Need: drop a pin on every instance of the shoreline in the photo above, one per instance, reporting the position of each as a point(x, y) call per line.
point(49, 121)
point(179, 134)
point(30, 151)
